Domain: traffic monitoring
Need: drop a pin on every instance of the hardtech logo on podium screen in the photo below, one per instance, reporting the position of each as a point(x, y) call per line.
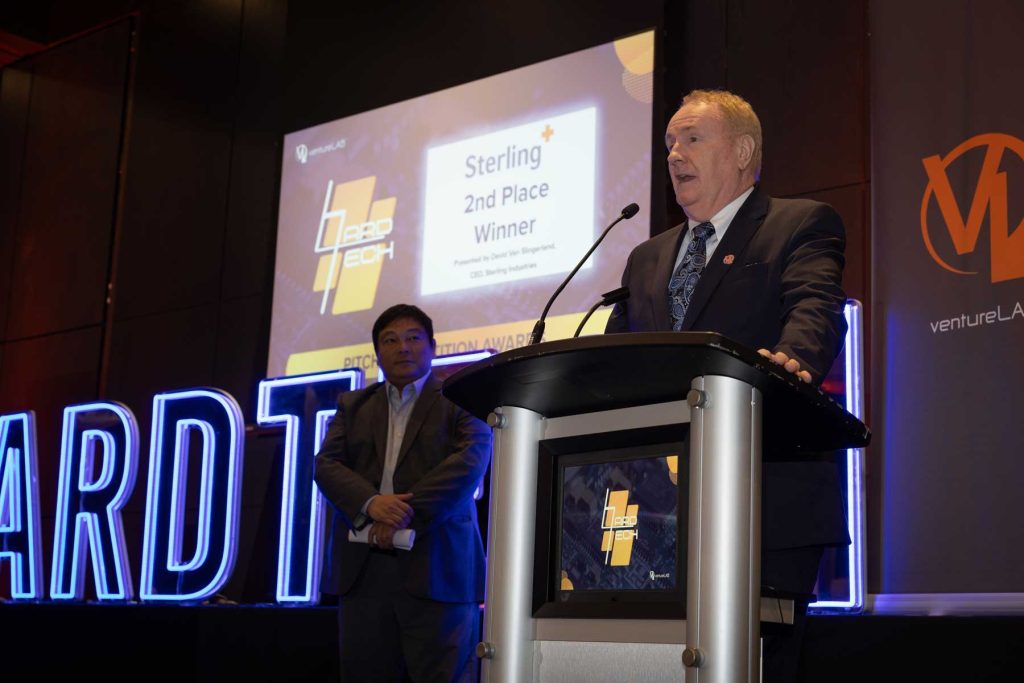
point(619, 523)
point(989, 199)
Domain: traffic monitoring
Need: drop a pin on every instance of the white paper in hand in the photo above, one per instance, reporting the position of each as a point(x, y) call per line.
point(403, 538)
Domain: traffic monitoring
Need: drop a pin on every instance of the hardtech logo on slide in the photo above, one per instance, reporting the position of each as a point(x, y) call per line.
point(619, 522)
point(353, 241)
point(990, 198)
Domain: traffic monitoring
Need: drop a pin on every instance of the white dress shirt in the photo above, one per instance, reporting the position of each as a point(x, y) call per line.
point(720, 220)
point(400, 405)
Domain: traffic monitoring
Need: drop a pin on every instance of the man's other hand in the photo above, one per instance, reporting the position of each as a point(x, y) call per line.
point(382, 536)
point(391, 509)
point(791, 365)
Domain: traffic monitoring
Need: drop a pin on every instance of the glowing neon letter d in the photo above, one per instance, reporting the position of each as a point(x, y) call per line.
point(169, 571)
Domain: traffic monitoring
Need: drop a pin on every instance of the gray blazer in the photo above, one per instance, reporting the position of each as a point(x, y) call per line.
point(441, 461)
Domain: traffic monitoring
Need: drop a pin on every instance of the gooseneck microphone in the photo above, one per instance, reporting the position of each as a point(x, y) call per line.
point(607, 299)
point(538, 328)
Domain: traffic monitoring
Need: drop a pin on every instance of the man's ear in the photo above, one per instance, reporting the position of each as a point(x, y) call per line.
point(744, 151)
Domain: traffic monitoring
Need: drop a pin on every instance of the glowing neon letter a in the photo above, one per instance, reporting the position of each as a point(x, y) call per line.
point(98, 460)
point(19, 505)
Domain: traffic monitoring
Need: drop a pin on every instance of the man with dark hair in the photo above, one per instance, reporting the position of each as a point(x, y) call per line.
point(767, 273)
point(399, 455)
point(402, 311)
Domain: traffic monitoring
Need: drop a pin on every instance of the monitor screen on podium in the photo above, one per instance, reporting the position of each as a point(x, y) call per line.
point(632, 505)
point(472, 202)
point(612, 525)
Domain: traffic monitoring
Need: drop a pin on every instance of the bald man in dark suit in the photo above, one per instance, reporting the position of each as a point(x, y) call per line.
point(764, 272)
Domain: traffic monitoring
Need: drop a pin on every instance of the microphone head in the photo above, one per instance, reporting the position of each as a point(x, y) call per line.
point(630, 211)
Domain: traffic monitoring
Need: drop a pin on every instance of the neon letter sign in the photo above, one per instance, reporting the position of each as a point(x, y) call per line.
point(19, 505)
point(304, 405)
point(98, 459)
point(214, 417)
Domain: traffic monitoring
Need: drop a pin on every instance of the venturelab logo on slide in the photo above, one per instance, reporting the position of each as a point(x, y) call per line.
point(303, 153)
point(509, 205)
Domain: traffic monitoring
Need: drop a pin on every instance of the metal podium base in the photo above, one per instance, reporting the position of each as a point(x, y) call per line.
point(520, 648)
point(584, 388)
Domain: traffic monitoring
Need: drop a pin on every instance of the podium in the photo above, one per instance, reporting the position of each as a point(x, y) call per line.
point(739, 406)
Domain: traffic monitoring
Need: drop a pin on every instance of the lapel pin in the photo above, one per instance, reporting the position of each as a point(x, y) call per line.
point(729, 258)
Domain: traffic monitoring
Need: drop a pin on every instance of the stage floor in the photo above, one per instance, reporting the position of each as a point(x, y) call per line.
point(271, 643)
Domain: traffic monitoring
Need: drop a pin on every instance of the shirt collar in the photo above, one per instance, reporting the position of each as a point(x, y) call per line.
point(412, 389)
point(723, 218)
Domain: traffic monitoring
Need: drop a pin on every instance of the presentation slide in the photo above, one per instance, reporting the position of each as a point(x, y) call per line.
point(472, 203)
point(619, 526)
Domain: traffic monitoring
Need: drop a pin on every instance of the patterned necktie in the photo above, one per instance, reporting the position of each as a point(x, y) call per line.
point(682, 283)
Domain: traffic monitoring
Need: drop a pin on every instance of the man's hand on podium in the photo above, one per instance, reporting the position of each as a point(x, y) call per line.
point(392, 509)
point(792, 365)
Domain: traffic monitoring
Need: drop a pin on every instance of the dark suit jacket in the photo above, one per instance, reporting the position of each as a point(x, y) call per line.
point(442, 459)
point(781, 291)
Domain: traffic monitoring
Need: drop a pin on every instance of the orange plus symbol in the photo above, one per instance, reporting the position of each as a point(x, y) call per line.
point(548, 132)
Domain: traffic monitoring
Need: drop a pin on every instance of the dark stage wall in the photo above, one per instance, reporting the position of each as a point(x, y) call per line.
point(140, 165)
point(138, 217)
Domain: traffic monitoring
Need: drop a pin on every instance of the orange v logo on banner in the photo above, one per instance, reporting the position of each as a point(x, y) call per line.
point(1007, 248)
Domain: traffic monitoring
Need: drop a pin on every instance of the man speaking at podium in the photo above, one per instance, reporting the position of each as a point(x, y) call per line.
point(398, 455)
point(764, 272)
